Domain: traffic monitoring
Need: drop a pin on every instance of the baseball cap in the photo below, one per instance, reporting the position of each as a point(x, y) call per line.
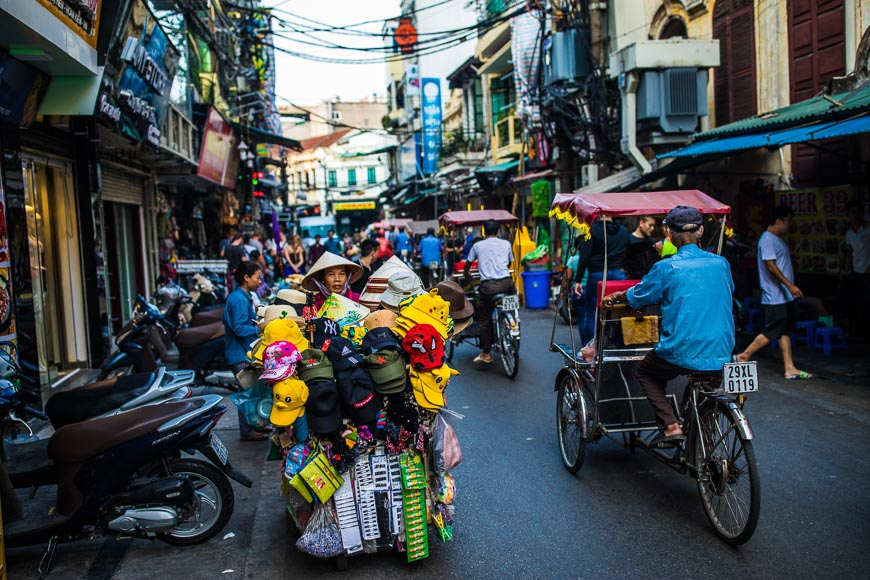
point(324, 329)
point(341, 352)
point(288, 401)
point(314, 366)
point(429, 309)
point(428, 386)
point(322, 408)
point(387, 369)
point(279, 360)
point(683, 219)
point(425, 347)
point(356, 392)
point(379, 339)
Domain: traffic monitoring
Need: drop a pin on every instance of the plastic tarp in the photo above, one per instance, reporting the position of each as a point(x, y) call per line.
point(476, 217)
point(577, 209)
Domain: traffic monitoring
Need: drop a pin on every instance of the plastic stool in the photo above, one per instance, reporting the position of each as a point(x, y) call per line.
point(755, 320)
point(829, 338)
point(806, 331)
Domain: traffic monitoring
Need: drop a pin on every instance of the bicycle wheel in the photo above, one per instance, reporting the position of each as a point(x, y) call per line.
point(509, 347)
point(571, 412)
point(728, 480)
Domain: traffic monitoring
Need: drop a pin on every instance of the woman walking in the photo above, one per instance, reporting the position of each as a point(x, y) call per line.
point(294, 256)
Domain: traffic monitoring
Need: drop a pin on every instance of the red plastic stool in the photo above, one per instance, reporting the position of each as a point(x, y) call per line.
point(829, 338)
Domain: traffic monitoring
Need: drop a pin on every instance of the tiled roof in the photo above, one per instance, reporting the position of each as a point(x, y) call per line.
point(327, 140)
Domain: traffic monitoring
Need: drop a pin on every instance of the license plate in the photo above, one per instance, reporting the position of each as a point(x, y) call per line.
point(740, 377)
point(219, 448)
point(433, 265)
point(510, 302)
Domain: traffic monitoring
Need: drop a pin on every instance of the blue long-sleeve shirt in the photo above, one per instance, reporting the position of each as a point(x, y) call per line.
point(694, 289)
point(240, 329)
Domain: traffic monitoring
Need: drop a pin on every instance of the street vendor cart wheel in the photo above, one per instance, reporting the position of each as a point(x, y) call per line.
point(508, 346)
point(573, 419)
point(211, 508)
point(728, 481)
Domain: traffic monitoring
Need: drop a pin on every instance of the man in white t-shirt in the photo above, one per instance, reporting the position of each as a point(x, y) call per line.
point(494, 257)
point(778, 292)
point(858, 270)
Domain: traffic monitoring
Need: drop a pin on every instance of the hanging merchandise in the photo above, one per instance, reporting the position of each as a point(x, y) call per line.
point(356, 401)
point(540, 198)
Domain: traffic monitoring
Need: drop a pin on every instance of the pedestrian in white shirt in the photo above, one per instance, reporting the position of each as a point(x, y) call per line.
point(858, 271)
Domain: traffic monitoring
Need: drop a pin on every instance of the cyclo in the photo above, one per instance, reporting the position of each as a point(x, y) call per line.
point(506, 311)
point(598, 394)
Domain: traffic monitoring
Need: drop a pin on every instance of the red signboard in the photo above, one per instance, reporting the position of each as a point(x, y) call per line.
point(219, 156)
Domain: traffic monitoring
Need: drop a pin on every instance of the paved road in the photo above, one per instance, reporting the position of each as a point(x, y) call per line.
point(520, 514)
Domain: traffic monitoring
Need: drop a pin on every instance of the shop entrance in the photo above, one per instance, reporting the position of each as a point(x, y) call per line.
point(123, 231)
point(60, 329)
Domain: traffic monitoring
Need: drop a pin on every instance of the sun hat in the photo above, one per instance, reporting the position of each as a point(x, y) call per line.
point(266, 314)
point(279, 360)
point(428, 386)
point(425, 347)
point(323, 408)
point(379, 339)
point(314, 366)
point(387, 369)
point(400, 286)
point(326, 261)
point(380, 318)
point(460, 306)
point(281, 329)
point(683, 219)
point(289, 396)
point(377, 282)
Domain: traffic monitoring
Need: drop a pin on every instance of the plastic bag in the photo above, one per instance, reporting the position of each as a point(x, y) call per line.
point(445, 449)
point(321, 538)
point(248, 402)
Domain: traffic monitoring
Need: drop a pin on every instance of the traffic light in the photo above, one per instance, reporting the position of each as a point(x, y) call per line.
point(258, 193)
point(256, 176)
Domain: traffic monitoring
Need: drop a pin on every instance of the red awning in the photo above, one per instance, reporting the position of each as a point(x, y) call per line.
point(476, 217)
point(577, 208)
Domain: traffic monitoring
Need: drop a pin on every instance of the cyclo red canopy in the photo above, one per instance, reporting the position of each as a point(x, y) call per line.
point(580, 208)
point(476, 217)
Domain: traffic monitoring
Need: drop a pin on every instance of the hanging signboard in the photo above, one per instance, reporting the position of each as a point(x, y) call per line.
point(21, 90)
point(819, 228)
point(353, 205)
point(219, 154)
point(80, 16)
point(139, 71)
point(431, 125)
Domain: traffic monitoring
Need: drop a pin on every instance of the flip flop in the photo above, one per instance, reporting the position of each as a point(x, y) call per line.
point(662, 441)
point(800, 375)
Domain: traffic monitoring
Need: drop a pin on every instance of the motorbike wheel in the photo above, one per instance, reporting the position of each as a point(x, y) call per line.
point(212, 506)
point(449, 347)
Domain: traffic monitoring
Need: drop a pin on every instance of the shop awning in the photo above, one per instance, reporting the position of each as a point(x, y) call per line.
point(533, 176)
point(492, 176)
point(259, 136)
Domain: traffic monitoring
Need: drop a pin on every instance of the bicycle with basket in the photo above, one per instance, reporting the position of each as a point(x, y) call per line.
point(598, 395)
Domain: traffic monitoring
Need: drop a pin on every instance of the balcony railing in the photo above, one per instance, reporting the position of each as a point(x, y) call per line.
point(180, 135)
point(507, 140)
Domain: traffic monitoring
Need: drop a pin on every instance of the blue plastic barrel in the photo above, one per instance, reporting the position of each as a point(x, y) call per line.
point(537, 289)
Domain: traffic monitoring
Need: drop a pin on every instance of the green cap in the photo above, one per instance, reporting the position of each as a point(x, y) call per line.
point(387, 368)
point(314, 366)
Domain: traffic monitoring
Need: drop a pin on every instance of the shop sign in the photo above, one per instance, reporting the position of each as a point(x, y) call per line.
point(353, 205)
point(219, 155)
point(140, 67)
point(819, 227)
point(21, 90)
point(409, 158)
point(80, 16)
point(405, 35)
point(431, 125)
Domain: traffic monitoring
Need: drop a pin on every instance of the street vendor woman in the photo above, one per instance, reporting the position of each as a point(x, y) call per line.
point(694, 289)
point(332, 274)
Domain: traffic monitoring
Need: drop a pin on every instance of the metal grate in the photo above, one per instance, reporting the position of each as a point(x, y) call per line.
point(682, 98)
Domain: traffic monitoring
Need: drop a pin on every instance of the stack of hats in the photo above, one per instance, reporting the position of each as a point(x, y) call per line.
point(377, 282)
point(384, 361)
point(428, 373)
point(323, 406)
point(428, 308)
point(279, 329)
point(461, 310)
point(289, 393)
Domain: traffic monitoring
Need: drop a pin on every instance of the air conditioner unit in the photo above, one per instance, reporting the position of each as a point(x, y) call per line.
point(672, 99)
point(566, 60)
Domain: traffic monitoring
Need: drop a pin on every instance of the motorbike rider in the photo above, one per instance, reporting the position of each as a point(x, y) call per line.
point(494, 256)
point(694, 290)
point(241, 330)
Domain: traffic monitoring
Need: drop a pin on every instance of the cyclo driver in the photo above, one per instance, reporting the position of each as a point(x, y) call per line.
point(694, 289)
point(494, 257)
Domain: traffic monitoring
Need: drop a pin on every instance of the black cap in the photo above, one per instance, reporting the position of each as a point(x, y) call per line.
point(324, 328)
point(323, 408)
point(683, 219)
point(380, 338)
point(356, 391)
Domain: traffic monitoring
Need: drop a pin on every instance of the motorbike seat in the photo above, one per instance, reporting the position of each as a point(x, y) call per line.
point(194, 336)
point(208, 315)
point(80, 441)
point(95, 399)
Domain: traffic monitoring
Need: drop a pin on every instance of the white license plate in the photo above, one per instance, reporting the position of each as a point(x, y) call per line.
point(433, 265)
point(510, 302)
point(219, 448)
point(740, 377)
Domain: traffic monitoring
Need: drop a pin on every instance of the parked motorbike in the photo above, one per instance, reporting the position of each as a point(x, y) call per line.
point(121, 475)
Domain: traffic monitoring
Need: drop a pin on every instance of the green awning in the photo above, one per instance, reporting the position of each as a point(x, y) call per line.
point(818, 108)
point(256, 135)
point(500, 168)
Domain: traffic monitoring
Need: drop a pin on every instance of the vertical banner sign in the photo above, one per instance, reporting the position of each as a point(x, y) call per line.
point(431, 124)
point(820, 225)
point(7, 316)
